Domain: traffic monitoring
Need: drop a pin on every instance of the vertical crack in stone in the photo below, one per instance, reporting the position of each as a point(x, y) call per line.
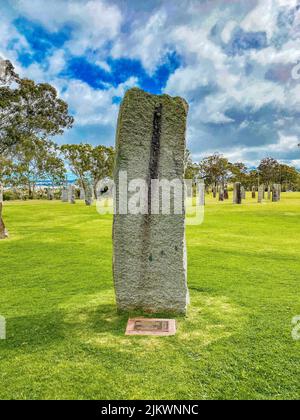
point(147, 256)
point(155, 151)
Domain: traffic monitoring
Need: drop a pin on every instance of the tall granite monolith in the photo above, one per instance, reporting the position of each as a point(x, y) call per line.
point(276, 193)
point(243, 190)
point(269, 192)
point(64, 194)
point(89, 195)
point(237, 193)
point(261, 190)
point(201, 187)
point(149, 262)
point(226, 193)
point(82, 194)
point(221, 193)
point(72, 194)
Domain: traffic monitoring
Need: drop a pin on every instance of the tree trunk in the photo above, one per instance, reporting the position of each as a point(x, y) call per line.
point(3, 232)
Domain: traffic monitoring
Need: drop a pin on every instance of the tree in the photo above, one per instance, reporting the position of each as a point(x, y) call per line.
point(103, 159)
point(79, 157)
point(37, 159)
point(269, 171)
point(215, 170)
point(89, 164)
point(8, 105)
point(239, 172)
point(28, 112)
point(191, 168)
point(288, 177)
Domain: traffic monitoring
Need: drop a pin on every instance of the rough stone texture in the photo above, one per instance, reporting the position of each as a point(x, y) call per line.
point(221, 193)
point(50, 194)
point(149, 250)
point(89, 195)
point(201, 194)
point(214, 191)
point(226, 193)
point(253, 192)
point(82, 194)
point(1, 193)
point(3, 231)
point(237, 193)
point(261, 190)
point(72, 194)
point(243, 190)
point(64, 195)
point(279, 192)
point(276, 193)
point(269, 192)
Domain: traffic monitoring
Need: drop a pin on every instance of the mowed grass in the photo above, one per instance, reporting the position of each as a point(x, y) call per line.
point(65, 339)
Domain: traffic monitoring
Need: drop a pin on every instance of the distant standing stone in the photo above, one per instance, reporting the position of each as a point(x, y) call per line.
point(243, 190)
point(253, 192)
point(72, 194)
point(276, 193)
point(269, 192)
point(261, 190)
point(1, 193)
point(82, 194)
point(64, 194)
point(89, 195)
point(149, 249)
point(226, 194)
point(214, 191)
point(237, 193)
point(201, 194)
point(221, 193)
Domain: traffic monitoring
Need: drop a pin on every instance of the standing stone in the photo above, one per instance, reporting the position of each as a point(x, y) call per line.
point(261, 190)
point(276, 193)
point(237, 193)
point(279, 191)
point(71, 194)
point(269, 192)
point(226, 193)
point(1, 193)
point(214, 191)
point(50, 194)
point(89, 195)
point(82, 194)
point(253, 192)
point(202, 194)
point(64, 194)
point(243, 193)
point(221, 193)
point(149, 249)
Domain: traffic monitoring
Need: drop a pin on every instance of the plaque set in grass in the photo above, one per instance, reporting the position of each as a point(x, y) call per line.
point(151, 326)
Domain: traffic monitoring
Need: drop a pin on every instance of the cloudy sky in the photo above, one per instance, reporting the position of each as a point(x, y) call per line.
point(237, 62)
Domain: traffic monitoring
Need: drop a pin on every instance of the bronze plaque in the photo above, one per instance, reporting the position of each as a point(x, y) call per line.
point(146, 326)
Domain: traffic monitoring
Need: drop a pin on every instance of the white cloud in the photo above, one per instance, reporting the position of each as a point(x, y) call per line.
point(146, 42)
point(95, 22)
point(93, 106)
point(263, 18)
point(288, 54)
point(227, 31)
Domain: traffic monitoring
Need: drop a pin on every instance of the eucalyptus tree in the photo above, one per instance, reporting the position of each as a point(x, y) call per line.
point(29, 113)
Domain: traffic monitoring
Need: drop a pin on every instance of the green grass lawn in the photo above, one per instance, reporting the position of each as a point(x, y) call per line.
point(66, 341)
